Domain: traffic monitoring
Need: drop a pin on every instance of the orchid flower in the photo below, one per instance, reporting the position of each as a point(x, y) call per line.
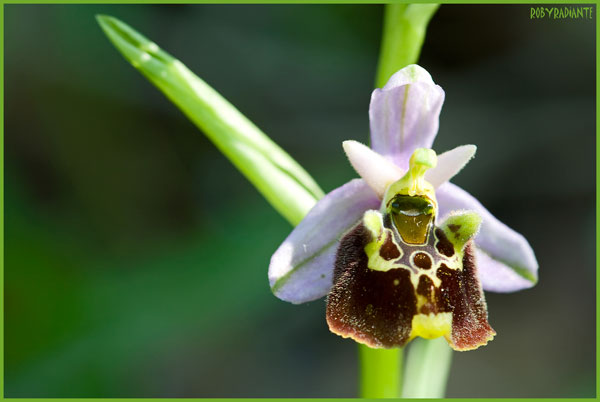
point(392, 268)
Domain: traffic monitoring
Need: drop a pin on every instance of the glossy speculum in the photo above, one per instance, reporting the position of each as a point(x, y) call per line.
point(412, 217)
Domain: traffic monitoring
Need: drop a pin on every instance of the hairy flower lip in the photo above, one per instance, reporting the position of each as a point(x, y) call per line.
point(404, 115)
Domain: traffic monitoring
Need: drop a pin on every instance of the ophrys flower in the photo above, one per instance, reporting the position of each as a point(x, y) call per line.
point(404, 117)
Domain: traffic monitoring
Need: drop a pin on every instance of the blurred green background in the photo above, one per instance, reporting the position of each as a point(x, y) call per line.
point(136, 255)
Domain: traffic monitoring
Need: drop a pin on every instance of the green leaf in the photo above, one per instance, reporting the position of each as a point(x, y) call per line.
point(281, 180)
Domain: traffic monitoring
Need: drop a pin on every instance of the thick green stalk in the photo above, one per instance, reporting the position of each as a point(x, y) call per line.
point(427, 368)
point(381, 372)
point(404, 29)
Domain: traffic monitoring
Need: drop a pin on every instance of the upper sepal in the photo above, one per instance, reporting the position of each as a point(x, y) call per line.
point(404, 114)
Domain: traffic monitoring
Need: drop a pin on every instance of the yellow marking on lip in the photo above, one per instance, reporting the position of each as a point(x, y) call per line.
point(377, 263)
point(430, 326)
point(373, 222)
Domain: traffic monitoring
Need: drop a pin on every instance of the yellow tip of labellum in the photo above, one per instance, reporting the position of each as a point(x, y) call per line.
point(431, 326)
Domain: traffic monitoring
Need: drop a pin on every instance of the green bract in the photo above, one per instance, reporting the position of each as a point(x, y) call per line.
point(262, 161)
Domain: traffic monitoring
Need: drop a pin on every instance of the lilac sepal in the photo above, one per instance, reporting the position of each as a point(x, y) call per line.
point(509, 263)
point(404, 114)
point(302, 267)
point(498, 277)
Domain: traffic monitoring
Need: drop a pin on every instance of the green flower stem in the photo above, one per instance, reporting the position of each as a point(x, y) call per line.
point(281, 180)
point(427, 368)
point(428, 362)
point(381, 372)
point(404, 29)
